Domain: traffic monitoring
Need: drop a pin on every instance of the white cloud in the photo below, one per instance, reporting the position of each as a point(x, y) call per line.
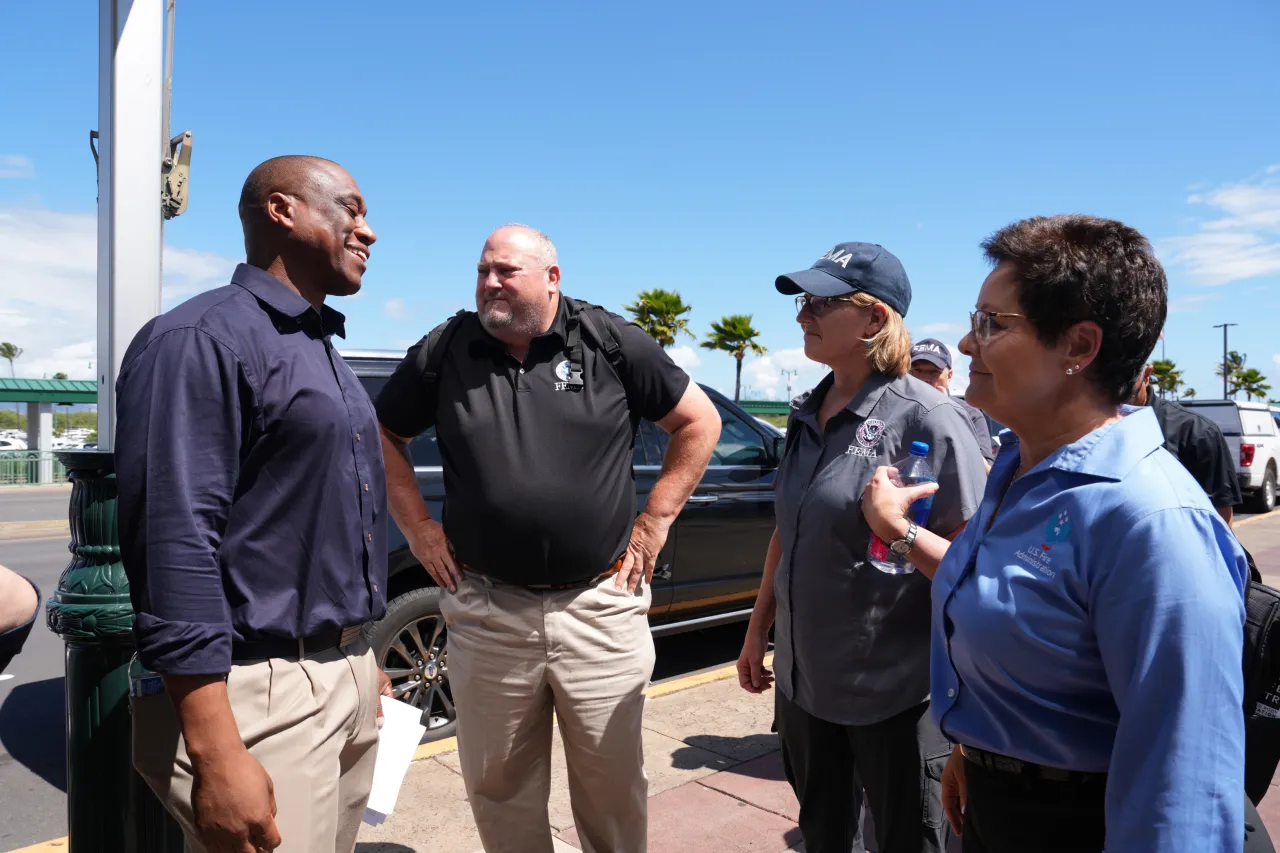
point(394, 308)
point(1242, 242)
point(16, 166)
point(48, 287)
point(1188, 302)
point(687, 357)
point(764, 374)
point(1276, 358)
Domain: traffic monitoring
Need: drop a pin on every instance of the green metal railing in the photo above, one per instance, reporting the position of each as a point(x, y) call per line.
point(30, 468)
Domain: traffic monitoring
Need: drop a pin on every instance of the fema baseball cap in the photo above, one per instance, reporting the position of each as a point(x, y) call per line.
point(853, 268)
point(933, 351)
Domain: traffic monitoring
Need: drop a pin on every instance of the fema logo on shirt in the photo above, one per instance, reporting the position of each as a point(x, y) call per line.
point(868, 436)
point(563, 370)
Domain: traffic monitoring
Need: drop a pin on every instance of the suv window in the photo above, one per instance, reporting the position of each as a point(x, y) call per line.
point(1225, 415)
point(422, 449)
point(651, 444)
point(1256, 421)
point(739, 443)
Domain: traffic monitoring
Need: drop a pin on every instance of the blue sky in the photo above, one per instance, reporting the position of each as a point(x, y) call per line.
point(701, 147)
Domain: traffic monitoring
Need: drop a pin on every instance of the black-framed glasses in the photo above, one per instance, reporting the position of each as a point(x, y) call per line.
point(980, 322)
point(818, 305)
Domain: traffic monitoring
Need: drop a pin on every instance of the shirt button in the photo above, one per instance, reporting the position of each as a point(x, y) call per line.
point(366, 487)
point(369, 538)
point(522, 371)
point(951, 692)
point(375, 587)
point(357, 436)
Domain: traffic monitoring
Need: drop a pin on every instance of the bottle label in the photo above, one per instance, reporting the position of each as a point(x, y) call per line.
point(143, 685)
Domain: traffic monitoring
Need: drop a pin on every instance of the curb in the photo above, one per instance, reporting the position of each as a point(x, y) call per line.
point(57, 844)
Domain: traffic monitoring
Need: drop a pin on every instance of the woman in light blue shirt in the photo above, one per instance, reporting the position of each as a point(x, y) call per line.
point(1088, 622)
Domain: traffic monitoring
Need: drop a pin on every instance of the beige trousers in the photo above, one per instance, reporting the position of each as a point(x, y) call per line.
point(312, 723)
point(515, 656)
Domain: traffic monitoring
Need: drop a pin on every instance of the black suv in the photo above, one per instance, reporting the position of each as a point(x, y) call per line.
point(707, 573)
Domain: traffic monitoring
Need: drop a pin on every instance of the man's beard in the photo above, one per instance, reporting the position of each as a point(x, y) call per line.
point(518, 318)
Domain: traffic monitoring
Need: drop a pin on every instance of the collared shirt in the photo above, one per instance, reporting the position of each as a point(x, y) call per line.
point(1097, 625)
point(851, 641)
point(978, 423)
point(1198, 443)
point(537, 475)
point(252, 495)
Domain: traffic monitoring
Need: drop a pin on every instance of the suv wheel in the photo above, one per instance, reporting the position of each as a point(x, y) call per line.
point(1264, 500)
point(410, 643)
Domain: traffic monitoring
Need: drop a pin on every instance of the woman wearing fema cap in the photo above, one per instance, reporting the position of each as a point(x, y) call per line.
point(1087, 624)
point(852, 641)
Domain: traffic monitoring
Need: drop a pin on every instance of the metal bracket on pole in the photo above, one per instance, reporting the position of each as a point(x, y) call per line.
point(177, 172)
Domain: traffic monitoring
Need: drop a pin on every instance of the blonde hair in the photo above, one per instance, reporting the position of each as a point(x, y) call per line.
point(888, 350)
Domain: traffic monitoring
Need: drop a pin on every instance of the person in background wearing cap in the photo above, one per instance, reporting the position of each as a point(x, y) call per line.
point(852, 642)
point(931, 364)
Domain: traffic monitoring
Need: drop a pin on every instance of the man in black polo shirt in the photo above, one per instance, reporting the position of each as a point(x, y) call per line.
point(1199, 445)
point(546, 563)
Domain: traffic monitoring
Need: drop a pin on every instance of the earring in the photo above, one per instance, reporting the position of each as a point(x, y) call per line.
point(1071, 371)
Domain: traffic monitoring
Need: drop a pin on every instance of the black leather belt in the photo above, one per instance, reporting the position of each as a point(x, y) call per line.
point(286, 647)
point(1004, 764)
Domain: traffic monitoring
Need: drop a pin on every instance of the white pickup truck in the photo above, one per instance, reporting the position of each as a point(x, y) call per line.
point(1253, 433)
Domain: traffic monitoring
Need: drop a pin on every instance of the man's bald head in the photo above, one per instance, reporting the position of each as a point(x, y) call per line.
point(306, 215)
point(291, 174)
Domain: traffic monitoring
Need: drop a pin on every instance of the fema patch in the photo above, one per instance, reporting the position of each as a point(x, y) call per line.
point(870, 432)
point(562, 370)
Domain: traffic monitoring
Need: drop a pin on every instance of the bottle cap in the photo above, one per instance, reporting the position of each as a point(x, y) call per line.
point(919, 448)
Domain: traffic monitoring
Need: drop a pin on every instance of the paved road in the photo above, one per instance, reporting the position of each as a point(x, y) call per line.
point(40, 503)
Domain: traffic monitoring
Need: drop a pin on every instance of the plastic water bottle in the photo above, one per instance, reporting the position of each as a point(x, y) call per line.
point(142, 681)
point(912, 471)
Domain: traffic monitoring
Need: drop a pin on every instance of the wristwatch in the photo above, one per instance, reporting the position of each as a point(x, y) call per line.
point(902, 547)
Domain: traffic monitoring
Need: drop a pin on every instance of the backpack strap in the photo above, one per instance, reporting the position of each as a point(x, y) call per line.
point(431, 355)
point(584, 321)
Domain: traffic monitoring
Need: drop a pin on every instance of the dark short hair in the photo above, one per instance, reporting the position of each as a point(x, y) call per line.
point(1075, 268)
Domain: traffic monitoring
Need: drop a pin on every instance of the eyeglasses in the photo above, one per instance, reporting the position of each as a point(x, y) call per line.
point(981, 323)
point(818, 305)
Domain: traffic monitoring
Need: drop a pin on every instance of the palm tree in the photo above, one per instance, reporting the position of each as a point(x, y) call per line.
point(1167, 376)
point(1234, 367)
point(11, 351)
point(1189, 394)
point(735, 335)
point(661, 314)
point(1252, 383)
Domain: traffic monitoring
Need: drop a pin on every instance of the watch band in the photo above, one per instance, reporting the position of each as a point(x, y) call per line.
point(902, 547)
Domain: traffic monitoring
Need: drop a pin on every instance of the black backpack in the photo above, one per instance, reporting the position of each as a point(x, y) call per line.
point(584, 321)
point(1261, 664)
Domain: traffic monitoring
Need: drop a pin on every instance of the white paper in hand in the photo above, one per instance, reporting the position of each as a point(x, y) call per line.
point(398, 739)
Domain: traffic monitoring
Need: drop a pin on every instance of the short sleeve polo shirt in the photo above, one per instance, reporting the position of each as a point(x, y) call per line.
point(537, 474)
point(852, 642)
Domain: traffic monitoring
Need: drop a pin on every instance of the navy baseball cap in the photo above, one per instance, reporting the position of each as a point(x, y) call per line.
point(852, 268)
point(933, 351)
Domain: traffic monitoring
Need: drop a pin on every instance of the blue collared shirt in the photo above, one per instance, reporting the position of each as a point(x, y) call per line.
point(1097, 625)
point(252, 494)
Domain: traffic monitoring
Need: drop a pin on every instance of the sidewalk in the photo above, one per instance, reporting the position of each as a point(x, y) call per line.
point(715, 782)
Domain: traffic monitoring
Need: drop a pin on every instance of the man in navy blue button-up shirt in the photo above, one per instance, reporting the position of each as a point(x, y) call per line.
point(253, 530)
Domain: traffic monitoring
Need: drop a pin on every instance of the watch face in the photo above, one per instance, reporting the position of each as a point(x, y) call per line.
point(900, 547)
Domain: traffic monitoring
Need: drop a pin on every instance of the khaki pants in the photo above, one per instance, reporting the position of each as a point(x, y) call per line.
point(515, 656)
point(311, 723)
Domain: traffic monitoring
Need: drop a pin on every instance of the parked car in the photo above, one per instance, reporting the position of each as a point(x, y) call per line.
point(1253, 433)
point(707, 574)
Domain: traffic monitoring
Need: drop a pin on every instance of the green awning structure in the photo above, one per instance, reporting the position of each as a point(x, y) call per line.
point(63, 392)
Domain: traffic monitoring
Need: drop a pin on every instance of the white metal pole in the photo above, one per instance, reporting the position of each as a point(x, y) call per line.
point(130, 228)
